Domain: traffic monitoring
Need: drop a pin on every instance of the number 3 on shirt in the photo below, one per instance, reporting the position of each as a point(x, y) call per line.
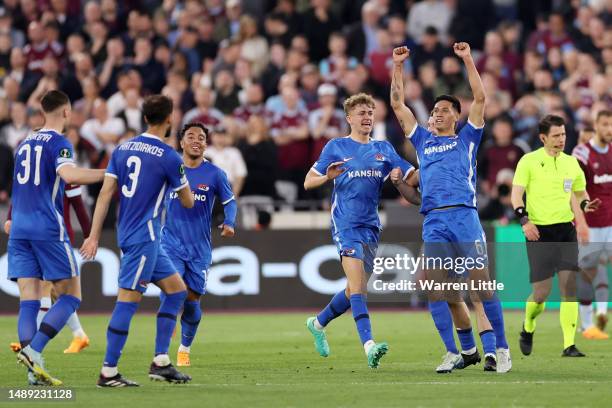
point(133, 175)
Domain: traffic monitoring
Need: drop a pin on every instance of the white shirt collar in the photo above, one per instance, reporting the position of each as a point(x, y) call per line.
point(145, 134)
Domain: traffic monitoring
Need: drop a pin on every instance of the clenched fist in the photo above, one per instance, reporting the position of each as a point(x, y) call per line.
point(400, 54)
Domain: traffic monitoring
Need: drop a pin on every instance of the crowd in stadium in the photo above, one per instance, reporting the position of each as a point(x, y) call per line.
point(268, 77)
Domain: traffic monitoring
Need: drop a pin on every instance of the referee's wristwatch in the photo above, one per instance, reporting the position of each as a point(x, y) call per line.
point(522, 215)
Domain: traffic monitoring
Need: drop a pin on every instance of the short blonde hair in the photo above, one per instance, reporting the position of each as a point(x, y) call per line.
point(359, 99)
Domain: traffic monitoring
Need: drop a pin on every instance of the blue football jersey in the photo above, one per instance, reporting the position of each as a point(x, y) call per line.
point(145, 167)
point(38, 191)
point(187, 230)
point(447, 169)
point(357, 190)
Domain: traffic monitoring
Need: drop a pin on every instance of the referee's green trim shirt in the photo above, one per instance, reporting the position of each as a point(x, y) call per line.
point(549, 182)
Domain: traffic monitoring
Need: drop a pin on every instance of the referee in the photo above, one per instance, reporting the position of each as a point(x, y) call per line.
point(549, 177)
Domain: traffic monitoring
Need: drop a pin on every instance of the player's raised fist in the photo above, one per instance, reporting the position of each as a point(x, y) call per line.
point(400, 54)
point(334, 170)
point(462, 49)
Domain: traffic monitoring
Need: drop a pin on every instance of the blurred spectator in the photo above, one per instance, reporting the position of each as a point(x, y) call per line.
point(386, 127)
point(260, 157)
point(223, 154)
point(362, 35)
point(14, 132)
point(500, 153)
point(332, 67)
point(113, 65)
point(276, 104)
point(497, 60)
point(102, 131)
point(499, 208)
point(126, 80)
point(318, 23)
point(91, 92)
point(6, 26)
point(397, 30)
point(204, 112)
point(226, 99)
point(253, 105)
point(327, 122)
point(550, 34)
point(151, 71)
point(471, 19)
point(289, 130)
point(254, 46)
point(132, 115)
point(309, 81)
point(381, 60)
point(414, 99)
point(452, 81)
point(38, 48)
point(428, 49)
point(275, 69)
point(429, 13)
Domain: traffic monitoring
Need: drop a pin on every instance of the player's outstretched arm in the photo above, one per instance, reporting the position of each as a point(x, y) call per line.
point(90, 245)
point(476, 116)
point(403, 113)
point(79, 175)
point(315, 180)
point(186, 197)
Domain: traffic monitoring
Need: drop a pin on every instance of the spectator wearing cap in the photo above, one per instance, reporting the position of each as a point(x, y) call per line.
point(429, 13)
point(362, 37)
point(318, 23)
point(327, 122)
point(429, 49)
point(332, 67)
point(204, 111)
point(261, 158)
point(229, 159)
point(254, 48)
point(289, 130)
point(309, 81)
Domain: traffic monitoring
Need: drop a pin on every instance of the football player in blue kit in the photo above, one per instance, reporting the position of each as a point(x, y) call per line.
point(186, 233)
point(39, 248)
point(447, 177)
point(142, 169)
point(358, 167)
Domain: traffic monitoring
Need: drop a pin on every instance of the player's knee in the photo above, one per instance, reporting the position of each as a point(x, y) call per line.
point(193, 296)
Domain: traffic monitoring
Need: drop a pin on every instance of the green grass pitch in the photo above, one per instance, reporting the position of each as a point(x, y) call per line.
point(268, 360)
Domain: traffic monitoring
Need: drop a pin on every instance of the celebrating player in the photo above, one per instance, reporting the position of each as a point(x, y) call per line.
point(448, 180)
point(358, 167)
point(595, 158)
point(39, 247)
point(142, 168)
point(550, 177)
point(186, 234)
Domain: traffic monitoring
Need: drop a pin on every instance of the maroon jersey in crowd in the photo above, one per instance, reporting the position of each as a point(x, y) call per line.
point(244, 113)
point(497, 158)
point(35, 54)
point(597, 166)
point(295, 154)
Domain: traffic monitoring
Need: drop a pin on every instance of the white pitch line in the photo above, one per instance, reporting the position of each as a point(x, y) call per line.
point(459, 382)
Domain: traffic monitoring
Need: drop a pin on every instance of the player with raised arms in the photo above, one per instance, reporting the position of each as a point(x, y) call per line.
point(39, 248)
point(143, 168)
point(186, 233)
point(447, 177)
point(358, 167)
